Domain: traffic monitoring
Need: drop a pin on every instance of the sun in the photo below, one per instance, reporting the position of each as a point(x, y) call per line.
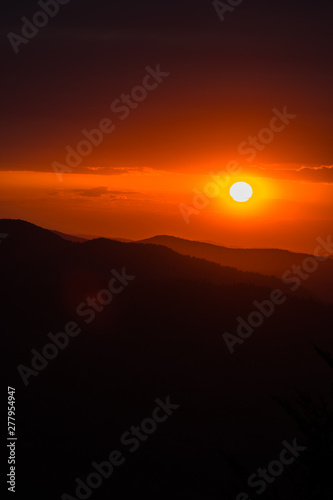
point(241, 191)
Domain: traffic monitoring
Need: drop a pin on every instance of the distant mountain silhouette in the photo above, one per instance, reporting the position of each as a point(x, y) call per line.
point(271, 262)
point(151, 258)
point(85, 237)
point(69, 237)
point(161, 336)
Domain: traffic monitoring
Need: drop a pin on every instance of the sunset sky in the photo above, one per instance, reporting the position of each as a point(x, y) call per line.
point(224, 83)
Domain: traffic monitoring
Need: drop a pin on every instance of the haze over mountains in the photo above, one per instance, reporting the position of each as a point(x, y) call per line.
point(271, 262)
point(161, 336)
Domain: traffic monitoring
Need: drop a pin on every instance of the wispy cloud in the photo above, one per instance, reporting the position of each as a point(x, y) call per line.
point(97, 192)
point(321, 174)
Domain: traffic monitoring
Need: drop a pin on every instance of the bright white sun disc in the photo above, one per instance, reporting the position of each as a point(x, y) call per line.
point(241, 191)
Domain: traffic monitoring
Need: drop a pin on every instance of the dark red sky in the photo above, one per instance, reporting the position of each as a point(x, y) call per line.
point(224, 79)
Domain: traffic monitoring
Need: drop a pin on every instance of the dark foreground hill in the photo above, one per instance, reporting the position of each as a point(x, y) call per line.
point(271, 262)
point(159, 337)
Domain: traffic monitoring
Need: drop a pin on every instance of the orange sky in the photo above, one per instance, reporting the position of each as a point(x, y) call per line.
point(282, 213)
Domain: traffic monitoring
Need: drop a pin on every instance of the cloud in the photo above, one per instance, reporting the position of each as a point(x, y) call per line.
point(317, 174)
point(102, 170)
point(94, 170)
point(322, 174)
point(93, 192)
point(97, 192)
